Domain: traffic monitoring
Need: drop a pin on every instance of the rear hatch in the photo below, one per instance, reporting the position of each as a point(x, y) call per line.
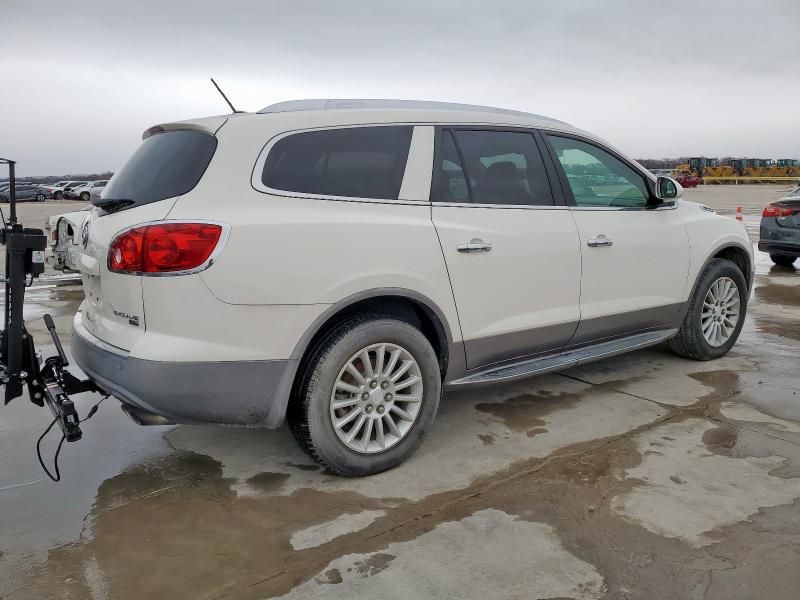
point(168, 164)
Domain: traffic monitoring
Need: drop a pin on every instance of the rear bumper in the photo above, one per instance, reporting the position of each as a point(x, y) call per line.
point(778, 239)
point(235, 392)
point(779, 248)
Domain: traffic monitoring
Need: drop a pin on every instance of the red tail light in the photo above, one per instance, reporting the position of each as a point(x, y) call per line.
point(163, 247)
point(773, 210)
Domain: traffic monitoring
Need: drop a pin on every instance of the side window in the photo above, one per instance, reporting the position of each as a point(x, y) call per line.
point(596, 177)
point(502, 167)
point(357, 162)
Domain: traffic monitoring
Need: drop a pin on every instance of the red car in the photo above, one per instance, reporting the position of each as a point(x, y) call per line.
point(687, 180)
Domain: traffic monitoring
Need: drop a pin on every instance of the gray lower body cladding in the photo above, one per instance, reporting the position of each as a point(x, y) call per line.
point(235, 392)
point(778, 239)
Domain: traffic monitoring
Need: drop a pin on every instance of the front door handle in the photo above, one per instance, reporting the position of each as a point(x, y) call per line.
point(600, 241)
point(474, 245)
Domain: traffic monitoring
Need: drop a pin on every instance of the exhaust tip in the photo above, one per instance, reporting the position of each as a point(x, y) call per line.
point(142, 417)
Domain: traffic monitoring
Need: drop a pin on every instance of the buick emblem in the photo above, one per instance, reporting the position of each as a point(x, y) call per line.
point(85, 234)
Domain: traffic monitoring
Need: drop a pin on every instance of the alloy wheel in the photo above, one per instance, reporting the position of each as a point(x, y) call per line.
point(720, 312)
point(376, 398)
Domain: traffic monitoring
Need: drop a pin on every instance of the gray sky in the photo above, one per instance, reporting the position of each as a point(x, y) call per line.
point(82, 80)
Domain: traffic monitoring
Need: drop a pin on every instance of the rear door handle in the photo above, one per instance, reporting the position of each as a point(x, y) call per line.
point(600, 241)
point(474, 245)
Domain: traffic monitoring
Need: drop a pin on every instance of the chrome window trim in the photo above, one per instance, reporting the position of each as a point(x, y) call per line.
point(221, 243)
point(258, 168)
point(667, 206)
point(501, 206)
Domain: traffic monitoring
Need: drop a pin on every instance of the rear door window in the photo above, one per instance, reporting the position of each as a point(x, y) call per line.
point(166, 165)
point(492, 167)
point(356, 162)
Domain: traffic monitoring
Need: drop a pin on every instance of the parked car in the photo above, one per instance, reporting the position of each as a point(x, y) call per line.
point(70, 189)
point(339, 263)
point(23, 192)
point(85, 192)
point(688, 180)
point(64, 241)
point(54, 188)
point(57, 190)
point(780, 230)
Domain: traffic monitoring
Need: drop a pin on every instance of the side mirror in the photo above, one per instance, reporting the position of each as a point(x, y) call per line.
point(668, 189)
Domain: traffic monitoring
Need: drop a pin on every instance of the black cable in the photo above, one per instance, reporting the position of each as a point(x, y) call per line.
point(57, 476)
point(93, 409)
point(55, 458)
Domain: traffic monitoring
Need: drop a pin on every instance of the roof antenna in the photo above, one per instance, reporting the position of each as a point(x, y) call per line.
point(225, 97)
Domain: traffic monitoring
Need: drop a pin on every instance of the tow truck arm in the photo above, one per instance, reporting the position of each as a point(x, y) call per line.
point(48, 381)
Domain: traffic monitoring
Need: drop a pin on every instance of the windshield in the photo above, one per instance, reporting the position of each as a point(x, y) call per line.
point(165, 165)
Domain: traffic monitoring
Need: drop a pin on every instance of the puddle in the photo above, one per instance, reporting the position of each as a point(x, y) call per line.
point(724, 383)
point(721, 440)
point(775, 293)
point(523, 413)
point(487, 438)
point(786, 329)
point(187, 529)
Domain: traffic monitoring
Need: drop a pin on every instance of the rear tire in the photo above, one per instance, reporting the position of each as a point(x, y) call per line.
point(783, 260)
point(85, 196)
point(704, 317)
point(58, 195)
point(41, 197)
point(322, 429)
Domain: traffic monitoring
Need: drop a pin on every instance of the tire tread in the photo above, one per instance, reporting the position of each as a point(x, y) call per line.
point(689, 341)
point(298, 415)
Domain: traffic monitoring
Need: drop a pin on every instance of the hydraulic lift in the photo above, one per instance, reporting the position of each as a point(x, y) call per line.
point(48, 381)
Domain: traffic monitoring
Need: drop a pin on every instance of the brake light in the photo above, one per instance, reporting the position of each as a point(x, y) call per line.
point(163, 247)
point(774, 210)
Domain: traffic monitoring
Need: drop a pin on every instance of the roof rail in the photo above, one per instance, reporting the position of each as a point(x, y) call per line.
point(335, 104)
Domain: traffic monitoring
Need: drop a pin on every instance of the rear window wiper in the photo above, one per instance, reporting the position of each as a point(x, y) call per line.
point(112, 204)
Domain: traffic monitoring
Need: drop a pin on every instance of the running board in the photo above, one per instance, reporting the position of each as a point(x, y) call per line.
point(564, 360)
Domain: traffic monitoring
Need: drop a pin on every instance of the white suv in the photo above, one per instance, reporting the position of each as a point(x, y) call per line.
point(339, 262)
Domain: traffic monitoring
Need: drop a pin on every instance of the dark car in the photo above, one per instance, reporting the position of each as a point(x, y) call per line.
point(25, 191)
point(780, 229)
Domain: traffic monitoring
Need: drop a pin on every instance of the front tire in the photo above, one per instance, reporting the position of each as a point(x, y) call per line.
point(367, 397)
point(783, 260)
point(58, 195)
point(716, 313)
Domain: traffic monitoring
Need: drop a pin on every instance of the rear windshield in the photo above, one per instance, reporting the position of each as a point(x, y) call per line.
point(165, 165)
point(356, 162)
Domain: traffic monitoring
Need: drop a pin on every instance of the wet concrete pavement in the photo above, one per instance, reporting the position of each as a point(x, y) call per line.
point(642, 476)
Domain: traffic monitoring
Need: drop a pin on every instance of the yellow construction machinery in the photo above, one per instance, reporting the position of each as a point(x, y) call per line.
point(744, 170)
point(700, 166)
point(789, 167)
